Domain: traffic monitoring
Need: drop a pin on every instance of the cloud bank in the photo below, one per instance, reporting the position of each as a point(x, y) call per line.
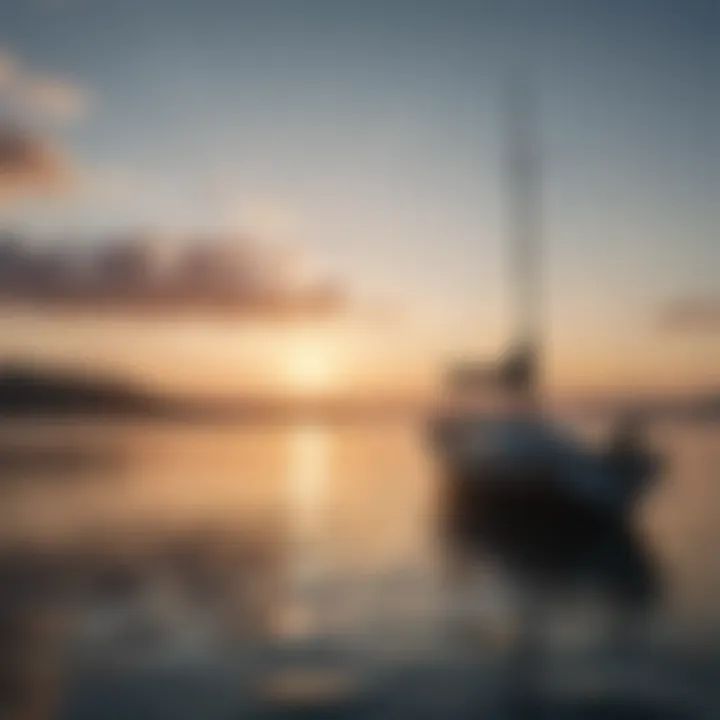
point(700, 314)
point(146, 274)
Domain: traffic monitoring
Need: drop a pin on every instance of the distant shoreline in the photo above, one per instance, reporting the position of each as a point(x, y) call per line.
point(27, 390)
point(30, 391)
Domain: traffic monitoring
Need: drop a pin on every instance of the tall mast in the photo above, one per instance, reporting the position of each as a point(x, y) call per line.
point(524, 224)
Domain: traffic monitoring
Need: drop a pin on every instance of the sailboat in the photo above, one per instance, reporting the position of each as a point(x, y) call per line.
point(495, 441)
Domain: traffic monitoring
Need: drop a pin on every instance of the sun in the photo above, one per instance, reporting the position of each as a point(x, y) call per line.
point(309, 367)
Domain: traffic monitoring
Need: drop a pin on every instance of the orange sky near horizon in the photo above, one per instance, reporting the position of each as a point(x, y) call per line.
point(342, 357)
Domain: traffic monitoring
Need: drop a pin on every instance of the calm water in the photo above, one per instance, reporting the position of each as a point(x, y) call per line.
point(271, 553)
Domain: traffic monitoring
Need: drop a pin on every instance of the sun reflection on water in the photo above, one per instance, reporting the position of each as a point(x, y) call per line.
point(308, 462)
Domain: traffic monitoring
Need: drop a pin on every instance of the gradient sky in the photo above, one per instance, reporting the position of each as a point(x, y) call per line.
point(370, 131)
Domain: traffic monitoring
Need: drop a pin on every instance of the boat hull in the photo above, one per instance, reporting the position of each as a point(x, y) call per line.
point(536, 528)
point(473, 497)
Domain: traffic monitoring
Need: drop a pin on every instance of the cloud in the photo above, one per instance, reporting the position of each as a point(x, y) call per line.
point(40, 95)
point(30, 165)
point(150, 273)
point(265, 217)
point(8, 70)
point(693, 314)
point(56, 98)
point(125, 186)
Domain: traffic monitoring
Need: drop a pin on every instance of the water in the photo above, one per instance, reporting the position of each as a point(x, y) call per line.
point(182, 571)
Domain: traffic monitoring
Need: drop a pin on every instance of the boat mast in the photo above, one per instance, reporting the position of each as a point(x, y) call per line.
point(524, 229)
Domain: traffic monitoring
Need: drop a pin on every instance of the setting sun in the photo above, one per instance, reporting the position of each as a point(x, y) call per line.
point(309, 367)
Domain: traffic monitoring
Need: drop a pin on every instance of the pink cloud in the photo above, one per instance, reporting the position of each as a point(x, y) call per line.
point(30, 165)
point(693, 314)
point(40, 95)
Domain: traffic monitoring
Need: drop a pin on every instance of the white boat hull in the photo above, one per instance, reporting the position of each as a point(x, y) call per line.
point(528, 460)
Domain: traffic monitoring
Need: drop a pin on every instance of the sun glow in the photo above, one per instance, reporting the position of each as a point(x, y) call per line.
point(309, 366)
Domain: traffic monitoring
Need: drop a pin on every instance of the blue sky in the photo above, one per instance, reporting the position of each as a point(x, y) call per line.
point(374, 130)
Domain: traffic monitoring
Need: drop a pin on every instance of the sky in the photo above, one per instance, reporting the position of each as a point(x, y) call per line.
point(370, 134)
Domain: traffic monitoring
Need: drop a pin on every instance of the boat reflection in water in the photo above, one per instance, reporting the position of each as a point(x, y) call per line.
point(557, 564)
point(546, 540)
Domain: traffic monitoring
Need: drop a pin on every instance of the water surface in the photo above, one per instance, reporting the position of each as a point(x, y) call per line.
point(303, 559)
